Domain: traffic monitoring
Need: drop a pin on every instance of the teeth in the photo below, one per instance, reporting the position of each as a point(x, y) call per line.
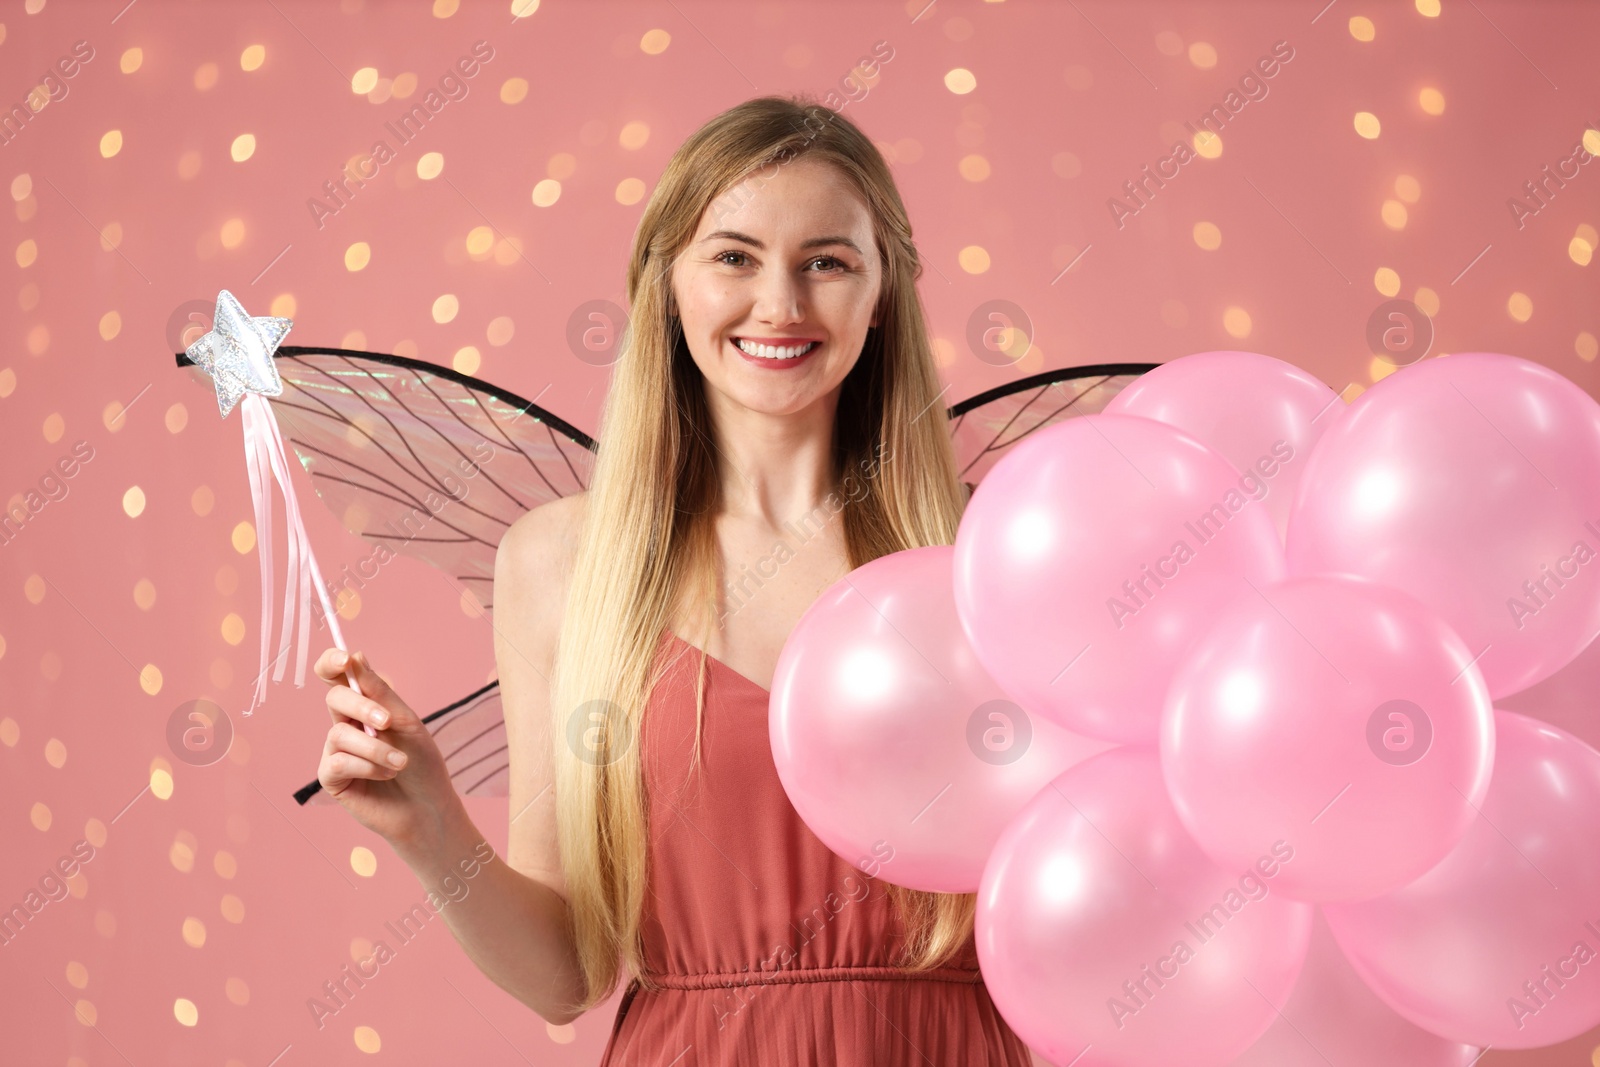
point(768, 352)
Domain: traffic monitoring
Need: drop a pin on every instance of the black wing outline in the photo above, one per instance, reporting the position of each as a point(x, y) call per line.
point(471, 730)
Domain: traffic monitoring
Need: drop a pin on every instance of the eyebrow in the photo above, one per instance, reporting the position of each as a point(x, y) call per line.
point(815, 242)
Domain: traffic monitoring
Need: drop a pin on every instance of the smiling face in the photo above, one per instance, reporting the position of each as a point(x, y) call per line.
point(795, 263)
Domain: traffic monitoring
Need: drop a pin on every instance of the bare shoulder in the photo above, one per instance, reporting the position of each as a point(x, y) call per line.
point(530, 591)
point(549, 528)
point(532, 563)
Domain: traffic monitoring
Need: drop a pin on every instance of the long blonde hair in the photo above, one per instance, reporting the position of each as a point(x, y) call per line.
point(648, 541)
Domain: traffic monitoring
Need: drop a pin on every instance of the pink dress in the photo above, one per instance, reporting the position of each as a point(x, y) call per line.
point(770, 949)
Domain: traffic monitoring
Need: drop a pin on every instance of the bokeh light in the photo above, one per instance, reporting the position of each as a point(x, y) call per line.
point(960, 81)
point(1519, 306)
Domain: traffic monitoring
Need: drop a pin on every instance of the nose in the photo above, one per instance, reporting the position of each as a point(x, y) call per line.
point(779, 299)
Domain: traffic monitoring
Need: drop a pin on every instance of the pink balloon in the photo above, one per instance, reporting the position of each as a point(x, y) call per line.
point(1472, 482)
point(1334, 1020)
point(1339, 715)
point(1100, 924)
point(1091, 556)
point(1260, 413)
point(896, 748)
point(1500, 943)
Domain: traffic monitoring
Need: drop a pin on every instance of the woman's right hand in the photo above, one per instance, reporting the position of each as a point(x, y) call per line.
point(396, 783)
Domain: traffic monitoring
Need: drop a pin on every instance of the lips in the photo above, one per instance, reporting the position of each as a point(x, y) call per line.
point(772, 362)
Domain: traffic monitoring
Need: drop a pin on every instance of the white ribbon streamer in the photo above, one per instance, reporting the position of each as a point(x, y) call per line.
point(266, 462)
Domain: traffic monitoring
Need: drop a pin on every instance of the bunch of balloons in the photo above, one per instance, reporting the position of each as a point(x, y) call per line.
point(1200, 704)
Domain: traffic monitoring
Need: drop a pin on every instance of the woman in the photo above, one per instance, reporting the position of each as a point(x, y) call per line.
point(776, 346)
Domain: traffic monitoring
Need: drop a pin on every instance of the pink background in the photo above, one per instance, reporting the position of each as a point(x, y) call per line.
point(1007, 184)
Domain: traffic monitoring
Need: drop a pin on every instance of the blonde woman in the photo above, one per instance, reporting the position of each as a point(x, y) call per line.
point(773, 422)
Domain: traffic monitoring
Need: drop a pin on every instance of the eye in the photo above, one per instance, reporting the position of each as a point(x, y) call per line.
point(720, 258)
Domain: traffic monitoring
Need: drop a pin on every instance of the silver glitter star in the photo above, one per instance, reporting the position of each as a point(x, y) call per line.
point(237, 353)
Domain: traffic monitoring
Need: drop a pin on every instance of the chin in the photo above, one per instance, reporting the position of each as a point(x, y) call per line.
point(773, 400)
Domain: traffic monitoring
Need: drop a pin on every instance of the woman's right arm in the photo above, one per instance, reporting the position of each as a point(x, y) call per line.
point(513, 919)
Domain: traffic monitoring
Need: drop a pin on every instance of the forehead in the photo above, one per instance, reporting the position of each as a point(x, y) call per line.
point(793, 201)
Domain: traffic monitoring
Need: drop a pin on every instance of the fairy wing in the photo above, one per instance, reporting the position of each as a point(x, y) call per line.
point(984, 427)
point(421, 459)
point(427, 462)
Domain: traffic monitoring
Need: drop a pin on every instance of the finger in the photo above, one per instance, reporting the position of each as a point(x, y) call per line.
point(368, 679)
point(345, 705)
point(340, 768)
point(331, 665)
point(370, 684)
point(346, 738)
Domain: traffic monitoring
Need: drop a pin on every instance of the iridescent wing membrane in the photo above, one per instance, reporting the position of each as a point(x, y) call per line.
point(423, 460)
point(435, 464)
